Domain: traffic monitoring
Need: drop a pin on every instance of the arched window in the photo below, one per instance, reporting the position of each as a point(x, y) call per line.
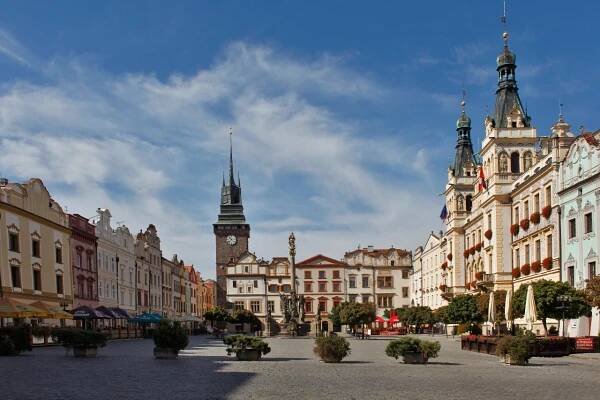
point(503, 163)
point(527, 161)
point(514, 163)
point(469, 203)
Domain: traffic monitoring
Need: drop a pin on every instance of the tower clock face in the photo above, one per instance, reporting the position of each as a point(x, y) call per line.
point(231, 240)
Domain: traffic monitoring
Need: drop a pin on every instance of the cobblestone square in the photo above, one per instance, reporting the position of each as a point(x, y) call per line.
point(127, 370)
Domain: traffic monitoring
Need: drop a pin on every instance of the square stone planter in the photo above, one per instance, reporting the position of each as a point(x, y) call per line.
point(248, 355)
point(85, 351)
point(510, 361)
point(165, 353)
point(414, 358)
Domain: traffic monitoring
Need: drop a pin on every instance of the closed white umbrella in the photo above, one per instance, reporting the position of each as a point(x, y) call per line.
point(492, 309)
point(530, 310)
point(508, 309)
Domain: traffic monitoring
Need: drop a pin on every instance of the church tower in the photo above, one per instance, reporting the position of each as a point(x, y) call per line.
point(231, 230)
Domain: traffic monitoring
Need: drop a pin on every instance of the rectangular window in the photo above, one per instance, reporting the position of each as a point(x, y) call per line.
point(365, 298)
point(59, 284)
point(337, 287)
point(322, 305)
point(37, 280)
point(321, 274)
point(404, 274)
point(548, 198)
point(13, 242)
point(271, 305)
point(591, 269)
point(572, 228)
point(352, 282)
point(255, 306)
point(384, 301)
point(273, 289)
point(526, 254)
point(308, 306)
point(15, 273)
point(256, 284)
point(307, 287)
point(516, 219)
point(526, 208)
point(365, 281)
point(336, 303)
point(322, 286)
point(489, 221)
point(405, 292)
point(536, 202)
point(538, 250)
point(307, 275)
point(336, 274)
point(238, 305)
point(588, 223)
point(571, 275)
point(385, 282)
point(352, 298)
point(549, 246)
point(58, 255)
point(35, 248)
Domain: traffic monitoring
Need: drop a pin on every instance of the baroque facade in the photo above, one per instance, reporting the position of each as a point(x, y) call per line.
point(84, 267)
point(429, 272)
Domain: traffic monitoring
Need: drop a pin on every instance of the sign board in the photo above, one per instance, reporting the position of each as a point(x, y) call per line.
point(584, 343)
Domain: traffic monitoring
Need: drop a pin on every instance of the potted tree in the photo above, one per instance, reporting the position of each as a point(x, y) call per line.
point(412, 350)
point(331, 349)
point(246, 348)
point(169, 339)
point(84, 343)
point(514, 350)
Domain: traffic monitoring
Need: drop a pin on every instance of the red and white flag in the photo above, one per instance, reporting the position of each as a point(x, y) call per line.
point(482, 183)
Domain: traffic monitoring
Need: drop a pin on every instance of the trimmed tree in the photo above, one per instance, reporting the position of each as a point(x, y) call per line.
point(217, 314)
point(353, 314)
point(546, 295)
point(592, 291)
point(462, 309)
point(483, 302)
point(418, 316)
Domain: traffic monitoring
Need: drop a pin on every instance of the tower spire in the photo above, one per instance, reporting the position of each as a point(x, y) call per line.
point(231, 181)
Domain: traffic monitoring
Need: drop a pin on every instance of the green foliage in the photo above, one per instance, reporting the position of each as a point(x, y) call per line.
point(353, 314)
point(245, 317)
point(217, 314)
point(386, 313)
point(399, 347)
point(19, 335)
point(7, 347)
point(463, 309)
point(170, 335)
point(237, 343)
point(517, 347)
point(483, 302)
point(441, 315)
point(546, 295)
point(332, 347)
point(592, 291)
point(76, 337)
point(418, 315)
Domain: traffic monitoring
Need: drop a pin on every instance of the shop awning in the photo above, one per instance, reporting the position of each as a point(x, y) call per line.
point(148, 318)
point(54, 311)
point(86, 312)
point(120, 313)
point(10, 308)
point(109, 314)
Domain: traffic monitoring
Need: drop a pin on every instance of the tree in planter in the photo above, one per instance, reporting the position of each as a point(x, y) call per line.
point(462, 309)
point(546, 295)
point(169, 339)
point(217, 314)
point(246, 348)
point(83, 342)
point(354, 314)
point(418, 316)
point(483, 302)
point(245, 317)
point(331, 349)
point(413, 351)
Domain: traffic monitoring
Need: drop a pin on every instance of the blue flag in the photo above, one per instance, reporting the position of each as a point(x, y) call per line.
point(444, 213)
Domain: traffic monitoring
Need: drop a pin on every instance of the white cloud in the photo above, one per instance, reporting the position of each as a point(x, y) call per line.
point(11, 48)
point(152, 152)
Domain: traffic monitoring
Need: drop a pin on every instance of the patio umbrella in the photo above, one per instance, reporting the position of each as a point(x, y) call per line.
point(379, 319)
point(52, 311)
point(530, 309)
point(491, 317)
point(86, 312)
point(508, 309)
point(120, 313)
point(107, 313)
point(10, 308)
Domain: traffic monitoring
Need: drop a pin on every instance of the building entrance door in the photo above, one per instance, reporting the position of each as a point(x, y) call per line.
point(324, 326)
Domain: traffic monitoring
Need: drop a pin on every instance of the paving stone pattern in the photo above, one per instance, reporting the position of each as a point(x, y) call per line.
point(127, 370)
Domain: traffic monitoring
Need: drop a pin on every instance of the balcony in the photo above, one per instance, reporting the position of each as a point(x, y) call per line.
point(450, 292)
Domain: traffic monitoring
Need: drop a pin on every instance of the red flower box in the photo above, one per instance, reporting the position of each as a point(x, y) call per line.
point(488, 234)
point(535, 218)
point(516, 273)
point(536, 266)
point(525, 269)
point(546, 211)
point(479, 275)
point(444, 265)
point(524, 224)
point(472, 250)
point(474, 284)
point(547, 263)
point(478, 247)
point(514, 229)
point(466, 253)
point(443, 288)
point(449, 256)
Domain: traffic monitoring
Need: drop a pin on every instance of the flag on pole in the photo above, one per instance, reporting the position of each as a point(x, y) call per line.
point(482, 183)
point(444, 213)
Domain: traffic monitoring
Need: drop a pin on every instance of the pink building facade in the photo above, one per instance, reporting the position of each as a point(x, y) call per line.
point(83, 260)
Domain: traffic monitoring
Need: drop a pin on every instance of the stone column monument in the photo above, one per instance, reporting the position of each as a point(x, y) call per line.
point(292, 304)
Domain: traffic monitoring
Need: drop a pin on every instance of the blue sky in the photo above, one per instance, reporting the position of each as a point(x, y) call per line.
point(343, 112)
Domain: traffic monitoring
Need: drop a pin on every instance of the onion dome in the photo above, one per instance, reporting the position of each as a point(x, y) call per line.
point(507, 57)
point(463, 121)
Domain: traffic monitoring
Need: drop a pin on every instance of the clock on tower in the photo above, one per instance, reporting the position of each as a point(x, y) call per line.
point(231, 230)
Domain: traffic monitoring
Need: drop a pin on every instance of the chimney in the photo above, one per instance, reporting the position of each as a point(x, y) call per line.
point(370, 248)
point(3, 182)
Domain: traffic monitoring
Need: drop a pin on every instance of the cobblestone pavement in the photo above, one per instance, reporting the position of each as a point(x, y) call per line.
point(127, 370)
